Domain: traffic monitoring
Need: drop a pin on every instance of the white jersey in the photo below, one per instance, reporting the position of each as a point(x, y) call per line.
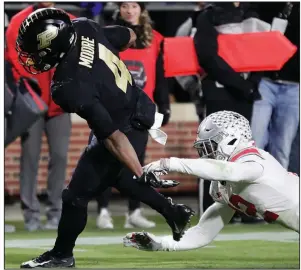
point(274, 191)
point(255, 183)
point(252, 181)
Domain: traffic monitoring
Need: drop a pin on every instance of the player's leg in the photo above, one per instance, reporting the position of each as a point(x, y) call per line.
point(94, 170)
point(92, 175)
point(177, 216)
point(104, 219)
point(290, 218)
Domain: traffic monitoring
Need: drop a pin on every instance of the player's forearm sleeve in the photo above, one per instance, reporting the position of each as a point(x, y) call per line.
point(217, 170)
point(210, 224)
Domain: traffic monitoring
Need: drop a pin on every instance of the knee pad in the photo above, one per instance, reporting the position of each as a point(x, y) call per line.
point(70, 198)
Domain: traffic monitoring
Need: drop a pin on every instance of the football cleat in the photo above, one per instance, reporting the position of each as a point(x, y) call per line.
point(47, 260)
point(179, 219)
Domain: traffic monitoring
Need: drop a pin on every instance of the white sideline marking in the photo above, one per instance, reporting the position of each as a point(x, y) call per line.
point(110, 240)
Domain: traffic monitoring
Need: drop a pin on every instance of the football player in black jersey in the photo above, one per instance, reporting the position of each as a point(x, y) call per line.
point(93, 82)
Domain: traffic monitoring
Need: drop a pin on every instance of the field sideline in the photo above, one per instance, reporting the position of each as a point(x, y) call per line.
point(238, 246)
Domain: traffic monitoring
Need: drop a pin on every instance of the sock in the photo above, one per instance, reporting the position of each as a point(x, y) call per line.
point(73, 221)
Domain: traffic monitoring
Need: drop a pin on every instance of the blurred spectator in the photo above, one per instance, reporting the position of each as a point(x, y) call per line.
point(275, 118)
point(223, 88)
point(93, 10)
point(57, 126)
point(145, 62)
point(7, 228)
point(192, 84)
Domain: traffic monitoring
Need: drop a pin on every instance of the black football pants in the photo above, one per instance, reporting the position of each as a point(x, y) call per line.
point(97, 170)
point(133, 204)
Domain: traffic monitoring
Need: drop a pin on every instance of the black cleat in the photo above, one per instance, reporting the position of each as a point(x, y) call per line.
point(47, 260)
point(179, 219)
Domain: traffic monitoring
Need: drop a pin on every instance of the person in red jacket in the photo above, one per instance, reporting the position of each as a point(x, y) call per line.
point(145, 62)
point(57, 126)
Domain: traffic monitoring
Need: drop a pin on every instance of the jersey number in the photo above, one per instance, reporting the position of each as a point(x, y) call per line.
point(118, 68)
point(249, 209)
point(46, 37)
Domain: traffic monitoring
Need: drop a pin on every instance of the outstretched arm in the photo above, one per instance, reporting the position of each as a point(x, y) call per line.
point(209, 169)
point(210, 224)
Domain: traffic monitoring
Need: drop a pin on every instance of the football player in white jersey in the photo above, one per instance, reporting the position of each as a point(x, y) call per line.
point(244, 178)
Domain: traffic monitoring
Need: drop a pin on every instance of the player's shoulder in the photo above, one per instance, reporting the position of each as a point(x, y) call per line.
point(250, 153)
point(85, 26)
point(83, 21)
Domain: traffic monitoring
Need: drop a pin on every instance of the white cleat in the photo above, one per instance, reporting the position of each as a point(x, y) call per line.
point(104, 220)
point(136, 219)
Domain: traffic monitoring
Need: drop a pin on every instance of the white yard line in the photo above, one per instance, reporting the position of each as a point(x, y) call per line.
point(110, 240)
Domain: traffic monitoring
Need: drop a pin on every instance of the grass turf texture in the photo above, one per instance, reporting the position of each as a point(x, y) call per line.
point(222, 254)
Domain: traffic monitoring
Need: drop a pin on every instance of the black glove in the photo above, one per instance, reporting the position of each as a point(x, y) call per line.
point(154, 181)
point(166, 113)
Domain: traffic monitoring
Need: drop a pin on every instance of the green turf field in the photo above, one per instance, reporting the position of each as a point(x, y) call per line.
point(274, 247)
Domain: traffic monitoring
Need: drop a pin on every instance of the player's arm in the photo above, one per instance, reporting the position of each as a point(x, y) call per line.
point(119, 145)
point(100, 121)
point(70, 97)
point(120, 37)
point(210, 224)
point(210, 169)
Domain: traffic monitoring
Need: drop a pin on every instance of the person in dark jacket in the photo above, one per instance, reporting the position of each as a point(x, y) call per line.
point(223, 88)
point(145, 62)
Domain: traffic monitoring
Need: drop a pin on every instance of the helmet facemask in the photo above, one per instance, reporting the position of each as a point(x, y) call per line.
point(209, 148)
point(37, 62)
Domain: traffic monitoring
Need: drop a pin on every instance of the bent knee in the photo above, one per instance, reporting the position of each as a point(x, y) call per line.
point(69, 197)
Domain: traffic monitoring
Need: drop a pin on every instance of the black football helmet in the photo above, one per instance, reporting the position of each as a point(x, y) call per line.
point(45, 37)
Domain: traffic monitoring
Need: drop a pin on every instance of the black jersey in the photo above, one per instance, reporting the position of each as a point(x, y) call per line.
point(93, 82)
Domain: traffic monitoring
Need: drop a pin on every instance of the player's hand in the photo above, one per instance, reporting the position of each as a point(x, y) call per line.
point(159, 167)
point(220, 191)
point(142, 241)
point(153, 180)
point(214, 192)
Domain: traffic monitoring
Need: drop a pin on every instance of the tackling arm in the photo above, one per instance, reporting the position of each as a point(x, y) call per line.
point(214, 170)
point(210, 224)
